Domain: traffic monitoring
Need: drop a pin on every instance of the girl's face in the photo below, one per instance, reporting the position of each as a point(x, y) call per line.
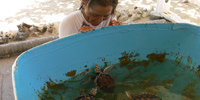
point(97, 13)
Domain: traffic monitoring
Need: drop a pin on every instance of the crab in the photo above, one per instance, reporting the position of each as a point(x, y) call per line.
point(144, 96)
point(103, 80)
point(89, 96)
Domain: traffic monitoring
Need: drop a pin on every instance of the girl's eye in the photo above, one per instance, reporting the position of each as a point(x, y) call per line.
point(95, 15)
point(106, 16)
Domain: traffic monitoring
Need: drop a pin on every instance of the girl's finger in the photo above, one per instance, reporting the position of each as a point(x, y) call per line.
point(87, 30)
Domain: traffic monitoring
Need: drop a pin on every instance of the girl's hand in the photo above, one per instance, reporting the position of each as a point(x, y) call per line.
point(114, 22)
point(85, 29)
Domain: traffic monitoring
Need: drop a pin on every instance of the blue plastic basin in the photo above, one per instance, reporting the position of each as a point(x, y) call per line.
point(146, 56)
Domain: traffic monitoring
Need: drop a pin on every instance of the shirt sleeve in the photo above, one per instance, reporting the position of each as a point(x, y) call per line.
point(74, 21)
point(68, 26)
point(113, 17)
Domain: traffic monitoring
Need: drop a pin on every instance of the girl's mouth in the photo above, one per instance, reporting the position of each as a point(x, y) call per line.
point(95, 23)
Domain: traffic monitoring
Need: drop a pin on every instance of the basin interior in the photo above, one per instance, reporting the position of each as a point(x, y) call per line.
point(162, 59)
point(159, 74)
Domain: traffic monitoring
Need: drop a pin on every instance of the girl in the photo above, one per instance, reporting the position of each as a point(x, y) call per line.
point(92, 14)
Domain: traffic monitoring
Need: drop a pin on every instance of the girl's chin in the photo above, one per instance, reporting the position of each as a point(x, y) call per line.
point(95, 24)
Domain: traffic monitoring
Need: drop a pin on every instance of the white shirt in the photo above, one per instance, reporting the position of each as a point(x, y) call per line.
point(74, 21)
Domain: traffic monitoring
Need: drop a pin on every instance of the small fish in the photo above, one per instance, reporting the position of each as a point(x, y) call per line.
point(61, 98)
point(129, 94)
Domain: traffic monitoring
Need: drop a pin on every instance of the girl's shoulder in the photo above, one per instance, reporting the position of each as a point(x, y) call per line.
point(74, 14)
point(77, 12)
point(73, 17)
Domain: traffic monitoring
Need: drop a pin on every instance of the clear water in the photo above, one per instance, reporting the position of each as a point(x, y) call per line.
point(169, 80)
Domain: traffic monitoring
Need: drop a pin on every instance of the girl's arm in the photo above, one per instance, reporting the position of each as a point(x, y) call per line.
point(85, 29)
point(114, 21)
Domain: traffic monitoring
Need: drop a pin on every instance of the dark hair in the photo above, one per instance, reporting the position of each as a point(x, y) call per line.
point(104, 3)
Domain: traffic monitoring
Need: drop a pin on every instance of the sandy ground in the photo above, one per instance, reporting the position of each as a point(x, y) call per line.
point(6, 88)
point(34, 12)
point(37, 12)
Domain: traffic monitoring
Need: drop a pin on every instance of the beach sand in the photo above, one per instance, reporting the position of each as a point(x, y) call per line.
point(37, 12)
